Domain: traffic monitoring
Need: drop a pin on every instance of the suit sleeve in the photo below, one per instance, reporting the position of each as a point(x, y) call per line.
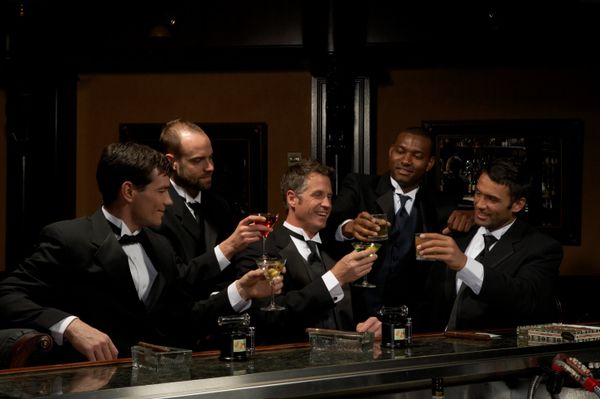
point(36, 280)
point(529, 289)
point(347, 203)
point(301, 299)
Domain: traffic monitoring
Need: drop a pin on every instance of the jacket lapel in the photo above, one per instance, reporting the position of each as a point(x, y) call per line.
point(110, 257)
point(160, 260)
point(183, 214)
point(287, 249)
point(505, 246)
point(385, 196)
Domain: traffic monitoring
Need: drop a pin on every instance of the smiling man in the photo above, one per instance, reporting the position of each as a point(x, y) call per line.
point(101, 283)
point(411, 207)
point(504, 273)
point(316, 293)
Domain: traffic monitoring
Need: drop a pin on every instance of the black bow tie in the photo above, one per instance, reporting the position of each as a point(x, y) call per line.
point(127, 239)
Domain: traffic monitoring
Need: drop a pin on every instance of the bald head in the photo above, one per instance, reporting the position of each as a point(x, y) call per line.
point(190, 151)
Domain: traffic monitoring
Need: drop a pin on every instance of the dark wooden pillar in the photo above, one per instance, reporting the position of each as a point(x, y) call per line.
point(41, 134)
point(335, 36)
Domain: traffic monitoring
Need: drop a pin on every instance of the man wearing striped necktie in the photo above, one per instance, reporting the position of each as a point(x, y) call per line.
point(411, 207)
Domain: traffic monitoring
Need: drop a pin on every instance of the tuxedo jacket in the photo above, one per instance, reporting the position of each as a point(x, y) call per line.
point(191, 239)
point(304, 294)
point(375, 194)
point(79, 268)
point(520, 275)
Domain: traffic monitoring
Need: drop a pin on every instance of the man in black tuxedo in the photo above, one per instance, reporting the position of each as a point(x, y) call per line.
point(200, 223)
point(316, 287)
point(504, 273)
point(99, 284)
point(400, 193)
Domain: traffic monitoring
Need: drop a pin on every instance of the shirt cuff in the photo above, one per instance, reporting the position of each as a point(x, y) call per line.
point(57, 330)
point(333, 286)
point(339, 236)
point(237, 302)
point(223, 261)
point(472, 275)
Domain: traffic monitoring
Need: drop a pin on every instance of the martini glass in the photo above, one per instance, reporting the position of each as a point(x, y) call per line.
point(361, 246)
point(272, 267)
point(270, 220)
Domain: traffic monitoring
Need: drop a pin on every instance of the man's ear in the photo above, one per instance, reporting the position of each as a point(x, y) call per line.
point(430, 163)
point(291, 198)
point(127, 191)
point(171, 159)
point(518, 205)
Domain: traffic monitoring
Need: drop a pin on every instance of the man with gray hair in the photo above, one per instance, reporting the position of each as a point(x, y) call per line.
point(316, 293)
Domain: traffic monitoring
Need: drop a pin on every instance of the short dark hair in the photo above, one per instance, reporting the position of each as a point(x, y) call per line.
point(121, 162)
point(512, 174)
point(296, 174)
point(418, 131)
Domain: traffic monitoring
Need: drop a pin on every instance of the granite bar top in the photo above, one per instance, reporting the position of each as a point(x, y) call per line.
point(295, 371)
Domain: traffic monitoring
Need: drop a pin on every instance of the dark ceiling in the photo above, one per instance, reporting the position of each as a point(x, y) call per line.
point(134, 35)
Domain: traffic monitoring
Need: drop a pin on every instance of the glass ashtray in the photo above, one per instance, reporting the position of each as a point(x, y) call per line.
point(339, 341)
point(160, 358)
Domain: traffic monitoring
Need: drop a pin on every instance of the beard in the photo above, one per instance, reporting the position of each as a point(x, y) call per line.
point(203, 182)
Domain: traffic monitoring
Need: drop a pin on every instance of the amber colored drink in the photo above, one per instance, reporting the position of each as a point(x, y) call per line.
point(418, 241)
point(382, 220)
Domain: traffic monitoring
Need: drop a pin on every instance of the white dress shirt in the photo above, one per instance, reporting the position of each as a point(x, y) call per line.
point(331, 282)
point(473, 272)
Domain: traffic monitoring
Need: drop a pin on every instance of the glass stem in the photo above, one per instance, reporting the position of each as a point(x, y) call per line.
point(272, 294)
point(263, 245)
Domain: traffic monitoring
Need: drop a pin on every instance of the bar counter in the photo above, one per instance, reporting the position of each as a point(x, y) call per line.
point(297, 371)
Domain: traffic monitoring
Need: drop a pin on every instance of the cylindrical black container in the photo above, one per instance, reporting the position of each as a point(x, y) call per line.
point(233, 346)
point(396, 328)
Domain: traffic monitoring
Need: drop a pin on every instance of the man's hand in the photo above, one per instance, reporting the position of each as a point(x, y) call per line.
point(460, 221)
point(441, 247)
point(354, 265)
point(92, 343)
point(362, 228)
point(372, 324)
point(246, 232)
point(254, 284)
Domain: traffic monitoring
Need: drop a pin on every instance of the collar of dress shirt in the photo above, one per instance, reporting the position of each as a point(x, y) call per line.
point(182, 193)
point(398, 190)
point(119, 223)
point(476, 245)
point(315, 238)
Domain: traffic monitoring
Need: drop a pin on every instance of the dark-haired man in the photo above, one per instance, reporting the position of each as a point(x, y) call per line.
point(503, 274)
point(99, 284)
point(400, 193)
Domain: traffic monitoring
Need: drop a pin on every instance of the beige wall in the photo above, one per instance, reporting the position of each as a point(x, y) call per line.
point(412, 96)
point(282, 100)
